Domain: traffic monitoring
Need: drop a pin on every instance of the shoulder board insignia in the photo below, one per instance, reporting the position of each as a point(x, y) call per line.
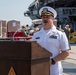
point(60, 29)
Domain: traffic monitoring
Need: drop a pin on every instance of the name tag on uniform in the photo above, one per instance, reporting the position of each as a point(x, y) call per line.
point(53, 37)
point(37, 38)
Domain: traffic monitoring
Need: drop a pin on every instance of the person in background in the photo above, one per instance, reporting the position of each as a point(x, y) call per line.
point(67, 30)
point(31, 32)
point(24, 31)
point(36, 28)
point(52, 40)
point(27, 29)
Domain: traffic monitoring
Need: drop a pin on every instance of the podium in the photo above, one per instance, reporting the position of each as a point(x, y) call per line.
point(23, 58)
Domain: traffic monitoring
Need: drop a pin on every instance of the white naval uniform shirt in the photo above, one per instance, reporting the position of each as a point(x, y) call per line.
point(54, 41)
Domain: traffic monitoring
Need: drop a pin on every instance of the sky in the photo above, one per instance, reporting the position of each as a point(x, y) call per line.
point(14, 10)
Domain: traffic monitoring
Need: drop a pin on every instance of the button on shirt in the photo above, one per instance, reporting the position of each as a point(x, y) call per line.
point(54, 41)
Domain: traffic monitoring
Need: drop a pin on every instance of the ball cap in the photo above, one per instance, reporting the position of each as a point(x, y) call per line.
point(46, 10)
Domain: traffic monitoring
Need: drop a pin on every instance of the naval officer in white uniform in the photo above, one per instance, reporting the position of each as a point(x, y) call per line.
point(52, 39)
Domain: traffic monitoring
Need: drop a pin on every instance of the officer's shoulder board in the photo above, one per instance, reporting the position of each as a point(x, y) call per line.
point(59, 29)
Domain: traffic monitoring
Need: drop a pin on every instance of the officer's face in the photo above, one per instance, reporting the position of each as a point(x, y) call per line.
point(47, 18)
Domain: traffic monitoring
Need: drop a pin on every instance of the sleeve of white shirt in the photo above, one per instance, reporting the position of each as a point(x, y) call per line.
point(64, 44)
